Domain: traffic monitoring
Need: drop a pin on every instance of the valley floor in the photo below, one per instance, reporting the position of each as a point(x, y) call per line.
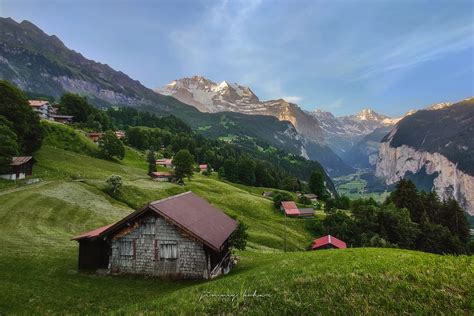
point(38, 262)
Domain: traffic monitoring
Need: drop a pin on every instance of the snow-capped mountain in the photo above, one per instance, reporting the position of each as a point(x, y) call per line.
point(209, 96)
point(341, 133)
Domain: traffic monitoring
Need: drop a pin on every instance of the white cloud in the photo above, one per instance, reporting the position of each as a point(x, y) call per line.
point(292, 99)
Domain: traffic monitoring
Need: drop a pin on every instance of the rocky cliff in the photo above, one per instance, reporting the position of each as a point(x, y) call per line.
point(438, 142)
point(395, 163)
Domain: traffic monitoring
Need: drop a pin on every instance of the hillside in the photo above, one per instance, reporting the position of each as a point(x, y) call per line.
point(41, 64)
point(38, 261)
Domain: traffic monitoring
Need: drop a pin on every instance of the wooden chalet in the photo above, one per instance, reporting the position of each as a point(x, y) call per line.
point(64, 119)
point(162, 176)
point(312, 197)
point(165, 162)
point(182, 236)
point(328, 242)
point(202, 167)
point(41, 107)
point(20, 168)
point(95, 136)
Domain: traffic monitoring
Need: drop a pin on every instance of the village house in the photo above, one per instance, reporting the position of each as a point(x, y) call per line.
point(165, 162)
point(42, 108)
point(182, 236)
point(312, 197)
point(267, 194)
point(21, 167)
point(290, 209)
point(64, 119)
point(162, 176)
point(95, 136)
point(202, 167)
point(328, 242)
point(120, 134)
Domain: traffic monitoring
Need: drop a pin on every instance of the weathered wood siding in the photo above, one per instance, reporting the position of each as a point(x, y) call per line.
point(136, 249)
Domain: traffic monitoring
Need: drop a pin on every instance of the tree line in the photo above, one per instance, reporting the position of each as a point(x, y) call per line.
point(408, 219)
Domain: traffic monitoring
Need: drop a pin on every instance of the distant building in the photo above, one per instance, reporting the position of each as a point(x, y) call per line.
point(41, 107)
point(328, 242)
point(312, 197)
point(119, 134)
point(162, 176)
point(203, 167)
point(95, 136)
point(21, 167)
point(46, 111)
point(306, 212)
point(164, 163)
point(65, 119)
point(182, 236)
point(267, 194)
point(290, 208)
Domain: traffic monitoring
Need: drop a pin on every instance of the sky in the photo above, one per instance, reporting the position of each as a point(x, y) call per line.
point(335, 55)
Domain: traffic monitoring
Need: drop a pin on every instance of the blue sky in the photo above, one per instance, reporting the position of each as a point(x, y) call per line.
point(339, 56)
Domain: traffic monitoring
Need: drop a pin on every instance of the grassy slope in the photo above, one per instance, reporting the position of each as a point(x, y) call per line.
point(38, 261)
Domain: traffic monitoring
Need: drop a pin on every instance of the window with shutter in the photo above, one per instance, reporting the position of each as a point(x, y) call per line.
point(168, 250)
point(126, 248)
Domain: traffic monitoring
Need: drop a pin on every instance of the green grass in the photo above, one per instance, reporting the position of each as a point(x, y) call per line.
point(38, 261)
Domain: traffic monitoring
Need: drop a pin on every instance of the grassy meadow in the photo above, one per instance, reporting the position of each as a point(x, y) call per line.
point(38, 261)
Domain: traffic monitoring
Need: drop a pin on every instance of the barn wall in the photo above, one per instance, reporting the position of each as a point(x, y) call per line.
point(145, 237)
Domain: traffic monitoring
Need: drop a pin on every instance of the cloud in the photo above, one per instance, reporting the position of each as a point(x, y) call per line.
point(292, 99)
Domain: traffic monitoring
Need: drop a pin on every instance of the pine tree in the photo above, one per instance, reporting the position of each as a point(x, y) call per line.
point(151, 161)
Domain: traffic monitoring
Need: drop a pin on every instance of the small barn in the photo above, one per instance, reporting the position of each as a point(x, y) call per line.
point(165, 162)
point(328, 242)
point(267, 194)
point(290, 208)
point(64, 119)
point(20, 168)
point(202, 167)
point(312, 197)
point(306, 212)
point(162, 176)
point(182, 236)
point(95, 136)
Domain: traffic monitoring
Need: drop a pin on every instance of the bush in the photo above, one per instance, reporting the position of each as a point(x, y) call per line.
point(238, 239)
point(114, 184)
point(110, 146)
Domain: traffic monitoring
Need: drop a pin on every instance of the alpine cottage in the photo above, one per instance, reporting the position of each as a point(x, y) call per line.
point(182, 236)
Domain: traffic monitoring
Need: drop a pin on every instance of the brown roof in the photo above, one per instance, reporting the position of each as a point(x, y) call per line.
point(189, 212)
point(16, 161)
point(37, 103)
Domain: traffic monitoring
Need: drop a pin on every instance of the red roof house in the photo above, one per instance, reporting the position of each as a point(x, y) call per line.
point(290, 208)
point(203, 167)
point(161, 176)
point(165, 162)
point(328, 242)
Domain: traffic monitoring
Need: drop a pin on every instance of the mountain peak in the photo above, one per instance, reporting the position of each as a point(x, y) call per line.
point(368, 114)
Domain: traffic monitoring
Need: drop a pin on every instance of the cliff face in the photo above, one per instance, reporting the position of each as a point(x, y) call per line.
point(394, 163)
